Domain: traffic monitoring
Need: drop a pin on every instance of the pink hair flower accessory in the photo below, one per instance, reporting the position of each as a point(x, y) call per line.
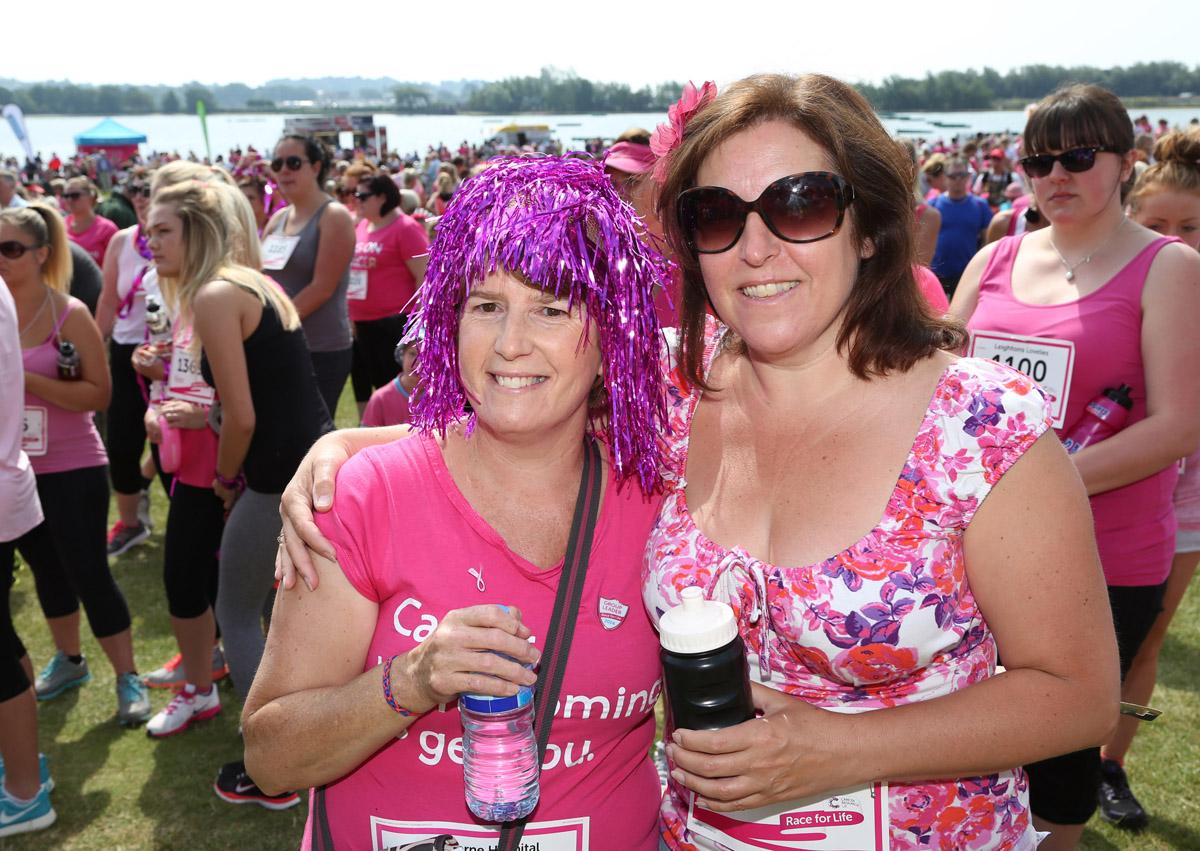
point(667, 137)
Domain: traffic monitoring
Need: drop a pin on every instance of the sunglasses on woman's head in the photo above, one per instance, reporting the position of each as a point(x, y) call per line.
point(802, 207)
point(13, 250)
point(363, 196)
point(1075, 160)
point(293, 163)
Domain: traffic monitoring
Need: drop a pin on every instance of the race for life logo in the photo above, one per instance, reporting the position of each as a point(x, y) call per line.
point(612, 613)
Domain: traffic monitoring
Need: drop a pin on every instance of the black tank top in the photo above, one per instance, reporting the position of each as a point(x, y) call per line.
point(289, 413)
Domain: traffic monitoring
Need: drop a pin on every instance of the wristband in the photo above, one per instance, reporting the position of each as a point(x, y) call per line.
point(237, 483)
point(387, 689)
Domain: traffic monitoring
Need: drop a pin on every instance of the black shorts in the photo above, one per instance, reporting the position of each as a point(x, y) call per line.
point(1063, 789)
point(375, 354)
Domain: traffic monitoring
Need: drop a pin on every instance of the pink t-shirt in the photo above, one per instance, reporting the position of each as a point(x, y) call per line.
point(382, 256)
point(57, 439)
point(407, 538)
point(931, 288)
point(1135, 524)
point(95, 239)
point(387, 406)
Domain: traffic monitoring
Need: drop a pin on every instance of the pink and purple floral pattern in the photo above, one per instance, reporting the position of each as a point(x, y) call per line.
point(888, 621)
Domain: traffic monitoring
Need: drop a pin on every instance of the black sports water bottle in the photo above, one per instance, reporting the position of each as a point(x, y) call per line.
point(68, 361)
point(704, 664)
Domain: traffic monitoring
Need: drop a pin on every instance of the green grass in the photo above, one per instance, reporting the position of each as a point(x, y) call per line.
point(118, 789)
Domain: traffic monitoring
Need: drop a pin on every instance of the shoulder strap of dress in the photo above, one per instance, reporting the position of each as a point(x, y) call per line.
point(1131, 279)
point(1001, 259)
point(59, 321)
point(316, 219)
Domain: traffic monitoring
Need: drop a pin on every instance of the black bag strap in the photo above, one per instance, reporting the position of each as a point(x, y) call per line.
point(562, 623)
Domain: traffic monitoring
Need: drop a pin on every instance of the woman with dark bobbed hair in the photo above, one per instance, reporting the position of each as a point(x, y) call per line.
point(390, 253)
point(1120, 300)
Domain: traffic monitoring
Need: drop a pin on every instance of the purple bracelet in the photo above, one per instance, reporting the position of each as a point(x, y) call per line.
point(387, 689)
point(237, 483)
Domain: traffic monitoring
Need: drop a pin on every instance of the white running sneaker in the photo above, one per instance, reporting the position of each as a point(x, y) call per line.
point(186, 708)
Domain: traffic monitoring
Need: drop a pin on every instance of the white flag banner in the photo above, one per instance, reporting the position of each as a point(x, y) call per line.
point(16, 120)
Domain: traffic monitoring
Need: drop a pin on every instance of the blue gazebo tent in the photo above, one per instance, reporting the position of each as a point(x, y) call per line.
point(116, 139)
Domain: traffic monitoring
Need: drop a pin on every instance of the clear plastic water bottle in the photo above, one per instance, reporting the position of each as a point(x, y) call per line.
point(500, 758)
point(157, 321)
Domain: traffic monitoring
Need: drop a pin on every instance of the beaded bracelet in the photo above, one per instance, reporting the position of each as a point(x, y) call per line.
point(387, 689)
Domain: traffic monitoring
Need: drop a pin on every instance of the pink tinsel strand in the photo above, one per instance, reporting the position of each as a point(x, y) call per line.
point(559, 223)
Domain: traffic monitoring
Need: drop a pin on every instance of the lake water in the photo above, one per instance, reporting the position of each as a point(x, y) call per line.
point(408, 133)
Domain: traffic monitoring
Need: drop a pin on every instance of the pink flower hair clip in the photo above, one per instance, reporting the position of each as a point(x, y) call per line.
point(667, 137)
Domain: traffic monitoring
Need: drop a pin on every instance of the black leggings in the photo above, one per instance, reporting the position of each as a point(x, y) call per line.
point(13, 680)
point(195, 522)
point(331, 369)
point(374, 362)
point(1063, 789)
point(67, 551)
point(126, 430)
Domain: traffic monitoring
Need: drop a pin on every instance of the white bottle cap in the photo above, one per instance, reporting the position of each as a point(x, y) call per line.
point(696, 625)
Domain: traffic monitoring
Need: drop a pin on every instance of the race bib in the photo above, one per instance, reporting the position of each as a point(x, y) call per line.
point(848, 821)
point(185, 380)
point(358, 285)
point(34, 438)
point(560, 835)
point(1047, 361)
point(277, 250)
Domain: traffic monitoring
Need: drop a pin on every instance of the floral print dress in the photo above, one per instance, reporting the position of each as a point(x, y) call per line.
point(889, 620)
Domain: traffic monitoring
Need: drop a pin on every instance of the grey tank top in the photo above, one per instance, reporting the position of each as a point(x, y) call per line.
point(327, 328)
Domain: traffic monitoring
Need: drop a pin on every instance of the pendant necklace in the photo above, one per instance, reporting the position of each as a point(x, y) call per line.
point(36, 316)
point(1071, 268)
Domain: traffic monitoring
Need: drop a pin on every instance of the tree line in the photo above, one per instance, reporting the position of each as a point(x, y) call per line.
point(556, 91)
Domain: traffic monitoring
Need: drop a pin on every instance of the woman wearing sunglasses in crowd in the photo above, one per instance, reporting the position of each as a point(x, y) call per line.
point(1166, 199)
point(84, 225)
point(819, 397)
point(66, 551)
point(307, 248)
point(121, 315)
point(390, 253)
point(1119, 302)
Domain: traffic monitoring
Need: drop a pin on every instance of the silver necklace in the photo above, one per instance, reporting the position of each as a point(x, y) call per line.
point(1071, 268)
point(36, 316)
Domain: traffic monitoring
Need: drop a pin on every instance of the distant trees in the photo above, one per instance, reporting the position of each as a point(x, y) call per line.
point(957, 90)
point(566, 92)
point(557, 91)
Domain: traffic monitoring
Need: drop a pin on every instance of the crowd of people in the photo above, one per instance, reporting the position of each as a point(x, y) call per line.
point(764, 333)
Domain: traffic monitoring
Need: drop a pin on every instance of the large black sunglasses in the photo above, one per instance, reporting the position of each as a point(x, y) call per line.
point(293, 163)
point(803, 207)
point(13, 250)
point(1075, 160)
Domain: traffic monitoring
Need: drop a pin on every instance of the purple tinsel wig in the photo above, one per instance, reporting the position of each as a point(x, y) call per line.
point(559, 223)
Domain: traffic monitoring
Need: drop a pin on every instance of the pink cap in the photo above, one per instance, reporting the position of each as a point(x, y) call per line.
point(630, 158)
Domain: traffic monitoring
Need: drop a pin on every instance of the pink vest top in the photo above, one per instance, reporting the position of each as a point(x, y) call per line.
point(1135, 524)
point(70, 438)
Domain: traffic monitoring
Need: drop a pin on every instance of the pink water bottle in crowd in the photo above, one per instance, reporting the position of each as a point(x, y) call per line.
point(500, 755)
point(169, 449)
point(1103, 417)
